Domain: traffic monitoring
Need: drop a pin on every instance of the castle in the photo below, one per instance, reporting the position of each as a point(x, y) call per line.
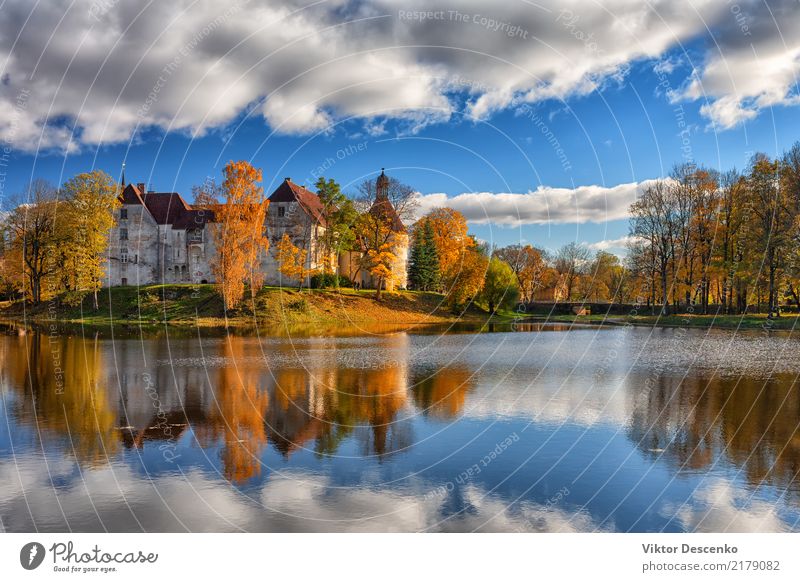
point(158, 237)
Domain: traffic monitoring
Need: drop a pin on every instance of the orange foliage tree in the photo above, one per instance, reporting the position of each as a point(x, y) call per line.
point(238, 234)
point(529, 265)
point(450, 237)
point(292, 260)
point(461, 262)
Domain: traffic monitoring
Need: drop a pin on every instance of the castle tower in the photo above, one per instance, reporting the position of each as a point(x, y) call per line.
point(382, 187)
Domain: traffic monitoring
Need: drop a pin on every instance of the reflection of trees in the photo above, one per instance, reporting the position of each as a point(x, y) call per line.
point(64, 394)
point(368, 399)
point(749, 422)
point(290, 420)
point(238, 415)
point(441, 393)
point(330, 406)
point(298, 401)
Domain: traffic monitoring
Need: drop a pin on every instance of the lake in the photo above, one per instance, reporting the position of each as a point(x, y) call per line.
point(540, 428)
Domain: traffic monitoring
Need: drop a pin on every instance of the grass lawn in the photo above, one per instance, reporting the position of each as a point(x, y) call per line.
point(188, 304)
point(749, 321)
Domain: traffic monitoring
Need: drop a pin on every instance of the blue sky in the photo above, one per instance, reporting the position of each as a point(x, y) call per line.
point(633, 109)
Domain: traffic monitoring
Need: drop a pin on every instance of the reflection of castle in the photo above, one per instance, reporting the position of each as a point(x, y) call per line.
point(302, 397)
point(159, 237)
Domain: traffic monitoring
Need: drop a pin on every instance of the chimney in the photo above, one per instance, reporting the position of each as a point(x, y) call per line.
point(140, 187)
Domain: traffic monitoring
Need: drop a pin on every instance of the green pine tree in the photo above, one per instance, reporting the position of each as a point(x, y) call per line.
point(423, 272)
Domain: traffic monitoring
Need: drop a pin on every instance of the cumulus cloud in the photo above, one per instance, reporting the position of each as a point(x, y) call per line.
point(756, 63)
point(720, 507)
point(613, 243)
point(545, 205)
point(88, 72)
point(118, 498)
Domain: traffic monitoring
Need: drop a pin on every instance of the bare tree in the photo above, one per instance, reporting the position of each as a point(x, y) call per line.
point(571, 262)
point(654, 218)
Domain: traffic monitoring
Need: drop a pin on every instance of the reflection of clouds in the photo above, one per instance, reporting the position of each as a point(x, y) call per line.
point(297, 502)
point(551, 398)
point(491, 514)
point(720, 507)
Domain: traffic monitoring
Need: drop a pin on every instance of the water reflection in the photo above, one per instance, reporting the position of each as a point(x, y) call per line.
point(750, 423)
point(356, 431)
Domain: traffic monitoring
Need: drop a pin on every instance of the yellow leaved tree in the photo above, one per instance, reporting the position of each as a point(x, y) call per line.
point(292, 260)
point(462, 262)
point(239, 234)
point(91, 199)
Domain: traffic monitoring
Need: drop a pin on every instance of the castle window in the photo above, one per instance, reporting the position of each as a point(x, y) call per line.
point(123, 234)
point(123, 258)
point(123, 214)
point(281, 211)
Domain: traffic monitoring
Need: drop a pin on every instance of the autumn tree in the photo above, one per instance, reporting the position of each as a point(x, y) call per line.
point(654, 220)
point(88, 210)
point(500, 285)
point(340, 217)
point(466, 281)
point(207, 195)
point(384, 205)
point(462, 264)
point(730, 218)
point(239, 233)
point(291, 260)
point(571, 262)
point(790, 182)
point(602, 274)
point(773, 221)
point(34, 237)
point(528, 264)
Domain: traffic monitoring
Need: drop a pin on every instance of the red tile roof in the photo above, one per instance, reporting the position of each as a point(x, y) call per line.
point(167, 208)
point(131, 195)
point(288, 191)
point(171, 208)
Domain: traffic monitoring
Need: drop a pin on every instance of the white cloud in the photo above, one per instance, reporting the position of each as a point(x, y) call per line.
point(756, 64)
point(117, 498)
point(545, 205)
point(614, 243)
point(667, 65)
point(720, 507)
point(198, 65)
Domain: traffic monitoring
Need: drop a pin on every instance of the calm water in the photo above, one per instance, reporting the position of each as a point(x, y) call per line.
point(547, 429)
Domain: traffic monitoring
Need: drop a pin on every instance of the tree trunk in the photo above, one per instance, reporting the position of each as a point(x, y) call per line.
point(773, 292)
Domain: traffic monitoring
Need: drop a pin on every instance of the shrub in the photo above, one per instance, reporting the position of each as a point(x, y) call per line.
point(329, 280)
point(73, 298)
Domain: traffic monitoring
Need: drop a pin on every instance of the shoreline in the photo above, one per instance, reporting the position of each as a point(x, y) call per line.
point(189, 306)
